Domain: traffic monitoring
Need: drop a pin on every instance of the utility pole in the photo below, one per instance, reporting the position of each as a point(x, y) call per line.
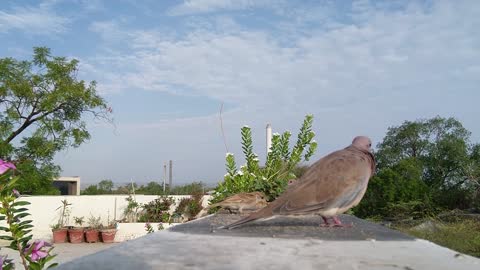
point(164, 175)
point(170, 175)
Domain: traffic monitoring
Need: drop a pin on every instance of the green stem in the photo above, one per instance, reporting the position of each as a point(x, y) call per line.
point(10, 222)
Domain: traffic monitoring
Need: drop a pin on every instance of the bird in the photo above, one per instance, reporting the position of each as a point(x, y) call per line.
point(243, 202)
point(329, 187)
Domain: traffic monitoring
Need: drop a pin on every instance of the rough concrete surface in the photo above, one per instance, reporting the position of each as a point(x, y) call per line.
point(276, 246)
point(293, 227)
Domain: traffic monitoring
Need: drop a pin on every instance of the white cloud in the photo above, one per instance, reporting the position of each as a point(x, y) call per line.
point(40, 20)
point(346, 63)
point(189, 7)
point(356, 78)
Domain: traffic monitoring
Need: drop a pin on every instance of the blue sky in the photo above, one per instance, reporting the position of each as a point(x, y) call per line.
point(167, 66)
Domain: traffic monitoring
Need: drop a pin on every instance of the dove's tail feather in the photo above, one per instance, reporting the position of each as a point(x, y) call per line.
point(240, 222)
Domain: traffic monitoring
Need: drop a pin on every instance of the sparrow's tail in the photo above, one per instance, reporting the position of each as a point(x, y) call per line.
point(240, 222)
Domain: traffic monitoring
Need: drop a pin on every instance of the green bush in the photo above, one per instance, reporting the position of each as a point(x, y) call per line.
point(189, 207)
point(156, 210)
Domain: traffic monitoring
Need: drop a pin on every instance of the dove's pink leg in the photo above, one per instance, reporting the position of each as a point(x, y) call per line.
point(338, 223)
point(325, 224)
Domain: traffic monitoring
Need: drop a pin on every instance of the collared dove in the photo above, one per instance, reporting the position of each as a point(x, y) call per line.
point(330, 187)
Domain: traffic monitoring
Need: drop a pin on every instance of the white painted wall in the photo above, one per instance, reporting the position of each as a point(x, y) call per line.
point(44, 212)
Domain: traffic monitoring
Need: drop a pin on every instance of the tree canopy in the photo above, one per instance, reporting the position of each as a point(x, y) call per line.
point(431, 162)
point(43, 106)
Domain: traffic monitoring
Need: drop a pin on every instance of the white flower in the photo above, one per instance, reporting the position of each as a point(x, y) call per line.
point(240, 173)
point(245, 126)
point(256, 159)
point(313, 141)
point(276, 134)
point(228, 154)
point(264, 178)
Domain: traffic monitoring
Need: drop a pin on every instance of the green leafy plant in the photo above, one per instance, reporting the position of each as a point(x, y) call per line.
point(189, 207)
point(78, 221)
point(131, 211)
point(149, 228)
point(33, 255)
point(64, 215)
point(94, 222)
point(281, 163)
point(157, 210)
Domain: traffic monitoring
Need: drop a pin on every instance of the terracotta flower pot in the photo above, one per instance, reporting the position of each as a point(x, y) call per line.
point(108, 235)
point(75, 235)
point(60, 235)
point(91, 236)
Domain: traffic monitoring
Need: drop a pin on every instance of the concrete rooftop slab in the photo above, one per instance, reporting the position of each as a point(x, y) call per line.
point(283, 243)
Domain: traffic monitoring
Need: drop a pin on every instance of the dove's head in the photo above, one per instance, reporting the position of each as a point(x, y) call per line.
point(363, 143)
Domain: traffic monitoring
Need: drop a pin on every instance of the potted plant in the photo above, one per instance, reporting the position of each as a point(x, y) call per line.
point(60, 230)
point(59, 233)
point(108, 232)
point(75, 234)
point(91, 233)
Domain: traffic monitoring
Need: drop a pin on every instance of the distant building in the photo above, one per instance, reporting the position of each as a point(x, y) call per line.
point(68, 185)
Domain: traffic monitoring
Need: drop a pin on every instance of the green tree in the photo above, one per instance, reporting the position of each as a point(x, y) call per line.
point(43, 108)
point(430, 162)
point(152, 188)
point(106, 186)
point(91, 190)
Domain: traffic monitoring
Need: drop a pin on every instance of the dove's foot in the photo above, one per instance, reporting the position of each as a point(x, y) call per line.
point(336, 223)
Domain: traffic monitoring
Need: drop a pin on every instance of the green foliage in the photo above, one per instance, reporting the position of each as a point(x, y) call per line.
point(106, 186)
point(157, 210)
point(103, 187)
point(280, 164)
point(460, 235)
point(151, 188)
point(18, 229)
point(78, 220)
point(423, 167)
point(94, 222)
point(42, 111)
point(64, 210)
point(189, 207)
point(149, 228)
point(131, 211)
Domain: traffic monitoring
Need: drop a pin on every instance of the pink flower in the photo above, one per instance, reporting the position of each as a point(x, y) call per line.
point(5, 166)
point(16, 193)
point(37, 252)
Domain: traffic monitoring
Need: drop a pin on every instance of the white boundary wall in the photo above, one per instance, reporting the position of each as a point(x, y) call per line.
point(43, 209)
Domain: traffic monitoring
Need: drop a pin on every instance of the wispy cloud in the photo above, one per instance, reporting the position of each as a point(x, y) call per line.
point(189, 7)
point(345, 63)
point(41, 20)
point(358, 74)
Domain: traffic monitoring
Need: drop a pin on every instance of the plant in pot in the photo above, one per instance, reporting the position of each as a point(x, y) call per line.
point(91, 233)
point(75, 234)
point(108, 232)
point(60, 229)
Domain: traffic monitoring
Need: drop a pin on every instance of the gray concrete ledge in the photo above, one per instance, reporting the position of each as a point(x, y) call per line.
point(293, 227)
point(202, 248)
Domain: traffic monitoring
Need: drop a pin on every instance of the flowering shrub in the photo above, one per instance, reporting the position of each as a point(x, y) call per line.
point(34, 255)
point(273, 177)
